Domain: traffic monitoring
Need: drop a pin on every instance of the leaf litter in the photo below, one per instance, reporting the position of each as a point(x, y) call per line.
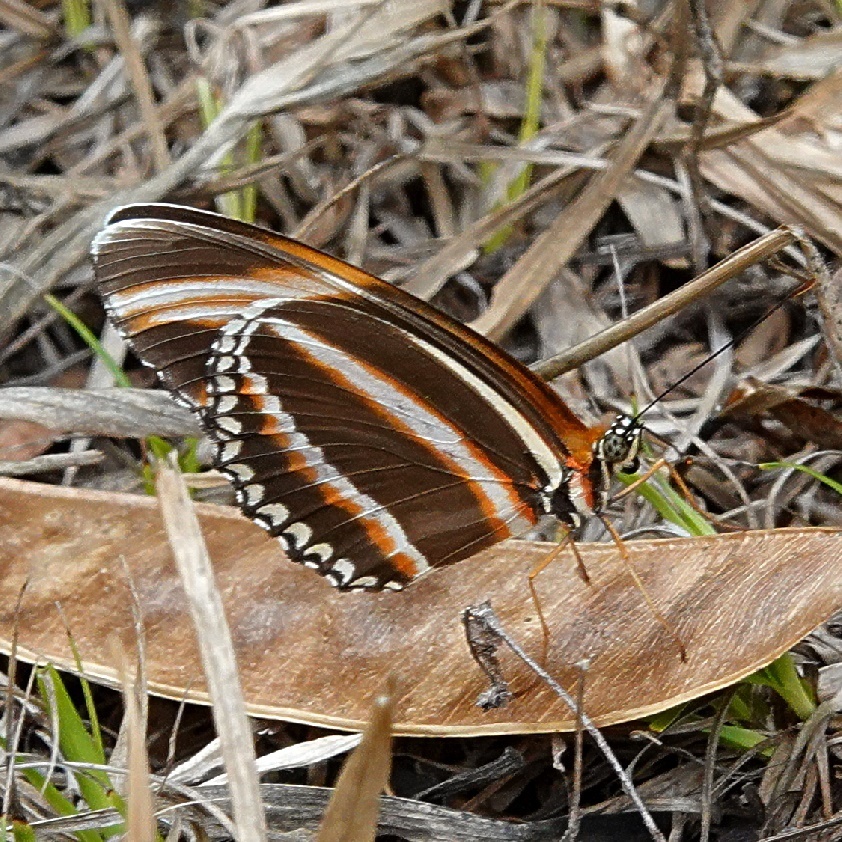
point(391, 133)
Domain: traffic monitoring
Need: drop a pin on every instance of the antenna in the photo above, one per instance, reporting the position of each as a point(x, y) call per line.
point(729, 344)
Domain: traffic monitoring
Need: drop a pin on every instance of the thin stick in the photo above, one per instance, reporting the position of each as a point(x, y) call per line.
point(482, 615)
point(575, 812)
point(748, 255)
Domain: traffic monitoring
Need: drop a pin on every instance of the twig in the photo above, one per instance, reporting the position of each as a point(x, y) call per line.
point(483, 616)
point(754, 252)
point(49, 462)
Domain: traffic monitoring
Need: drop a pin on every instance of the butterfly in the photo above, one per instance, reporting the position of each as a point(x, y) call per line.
point(375, 437)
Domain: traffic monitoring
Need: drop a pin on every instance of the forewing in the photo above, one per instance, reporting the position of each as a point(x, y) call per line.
point(171, 277)
point(375, 436)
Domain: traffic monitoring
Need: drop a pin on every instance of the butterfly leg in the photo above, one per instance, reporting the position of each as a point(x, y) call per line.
point(564, 541)
point(682, 487)
point(647, 474)
point(659, 617)
point(691, 500)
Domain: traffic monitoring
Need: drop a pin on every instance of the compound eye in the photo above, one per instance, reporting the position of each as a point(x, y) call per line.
point(616, 447)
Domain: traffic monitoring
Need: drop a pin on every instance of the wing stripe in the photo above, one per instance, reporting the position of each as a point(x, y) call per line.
point(404, 413)
point(382, 530)
point(259, 413)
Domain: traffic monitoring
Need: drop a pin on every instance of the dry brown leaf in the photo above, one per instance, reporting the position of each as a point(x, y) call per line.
point(652, 212)
point(790, 176)
point(789, 406)
point(21, 440)
point(310, 654)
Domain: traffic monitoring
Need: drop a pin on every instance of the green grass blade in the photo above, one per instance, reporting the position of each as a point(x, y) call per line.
point(89, 339)
point(242, 203)
point(21, 831)
point(670, 504)
point(77, 16)
point(742, 739)
point(90, 707)
point(61, 805)
point(806, 469)
point(77, 745)
point(531, 116)
point(782, 676)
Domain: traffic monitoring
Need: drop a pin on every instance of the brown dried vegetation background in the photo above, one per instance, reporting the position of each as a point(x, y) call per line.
point(397, 135)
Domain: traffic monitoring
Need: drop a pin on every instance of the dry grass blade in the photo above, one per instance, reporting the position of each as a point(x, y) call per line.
point(121, 24)
point(50, 462)
point(429, 276)
point(351, 815)
point(829, 296)
point(327, 68)
point(218, 657)
point(26, 18)
point(300, 755)
point(517, 290)
point(140, 820)
point(790, 176)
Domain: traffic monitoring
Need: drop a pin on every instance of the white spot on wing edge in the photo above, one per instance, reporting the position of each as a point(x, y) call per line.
point(253, 494)
point(323, 550)
point(242, 472)
point(365, 582)
point(345, 569)
point(393, 586)
point(278, 513)
point(226, 403)
point(230, 450)
point(300, 532)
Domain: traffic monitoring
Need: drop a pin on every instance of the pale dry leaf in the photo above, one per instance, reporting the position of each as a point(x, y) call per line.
point(218, 658)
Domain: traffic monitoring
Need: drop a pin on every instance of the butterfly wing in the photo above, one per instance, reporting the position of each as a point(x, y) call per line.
point(373, 435)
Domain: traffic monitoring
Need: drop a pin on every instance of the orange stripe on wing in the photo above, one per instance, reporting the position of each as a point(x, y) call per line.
point(374, 531)
point(487, 506)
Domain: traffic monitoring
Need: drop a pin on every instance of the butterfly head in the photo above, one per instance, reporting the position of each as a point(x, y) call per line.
point(585, 485)
point(616, 450)
point(619, 446)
